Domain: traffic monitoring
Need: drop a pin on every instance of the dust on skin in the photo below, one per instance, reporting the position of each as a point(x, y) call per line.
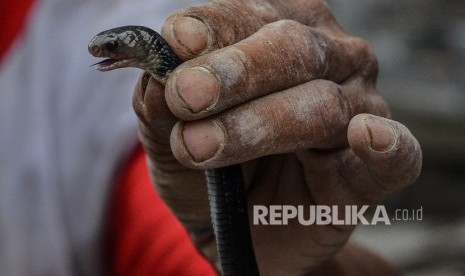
point(252, 127)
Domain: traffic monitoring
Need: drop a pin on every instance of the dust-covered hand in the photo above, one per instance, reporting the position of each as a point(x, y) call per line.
point(277, 86)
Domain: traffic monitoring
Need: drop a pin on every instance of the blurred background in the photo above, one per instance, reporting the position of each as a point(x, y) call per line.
point(420, 45)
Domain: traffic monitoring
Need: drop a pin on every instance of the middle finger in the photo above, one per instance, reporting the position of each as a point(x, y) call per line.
point(311, 115)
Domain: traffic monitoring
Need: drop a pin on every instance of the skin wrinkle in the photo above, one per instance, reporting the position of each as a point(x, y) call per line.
point(317, 47)
point(284, 123)
point(345, 168)
point(321, 50)
point(320, 105)
point(306, 176)
point(344, 113)
point(278, 52)
point(298, 54)
point(256, 57)
point(284, 128)
point(303, 114)
point(300, 108)
point(295, 62)
point(344, 102)
point(329, 115)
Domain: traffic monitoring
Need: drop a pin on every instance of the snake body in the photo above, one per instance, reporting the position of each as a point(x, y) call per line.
point(141, 47)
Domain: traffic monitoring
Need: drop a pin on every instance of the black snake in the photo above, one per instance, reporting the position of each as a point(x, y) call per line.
point(141, 47)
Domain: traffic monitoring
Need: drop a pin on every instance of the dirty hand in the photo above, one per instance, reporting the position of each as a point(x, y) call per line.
point(279, 87)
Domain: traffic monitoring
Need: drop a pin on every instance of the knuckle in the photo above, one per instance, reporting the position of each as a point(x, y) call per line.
point(369, 62)
point(302, 45)
point(378, 106)
point(335, 96)
point(333, 108)
point(263, 10)
point(284, 25)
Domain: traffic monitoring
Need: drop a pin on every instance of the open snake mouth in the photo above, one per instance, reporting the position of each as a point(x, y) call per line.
point(113, 63)
point(107, 64)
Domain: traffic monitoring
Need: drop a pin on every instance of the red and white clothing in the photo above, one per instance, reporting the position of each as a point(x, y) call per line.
point(75, 197)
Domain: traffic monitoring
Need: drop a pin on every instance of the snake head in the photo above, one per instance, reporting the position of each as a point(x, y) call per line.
point(133, 46)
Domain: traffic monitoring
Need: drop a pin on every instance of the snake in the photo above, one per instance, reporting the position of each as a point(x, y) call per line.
point(144, 48)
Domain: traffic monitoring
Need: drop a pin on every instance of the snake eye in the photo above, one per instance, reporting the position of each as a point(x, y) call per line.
point(111, 45)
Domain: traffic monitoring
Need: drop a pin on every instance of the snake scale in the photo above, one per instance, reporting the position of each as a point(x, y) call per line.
point(142, 47)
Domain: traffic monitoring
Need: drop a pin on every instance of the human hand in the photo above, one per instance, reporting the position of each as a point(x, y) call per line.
point(276, 86)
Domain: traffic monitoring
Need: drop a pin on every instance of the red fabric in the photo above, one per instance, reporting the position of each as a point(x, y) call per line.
point(13, 15)
point(146, 239)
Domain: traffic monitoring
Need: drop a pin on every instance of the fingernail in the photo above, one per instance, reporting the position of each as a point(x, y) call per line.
point(198, 88)
point(204, 139)
point(383, 136)
point(191, 33)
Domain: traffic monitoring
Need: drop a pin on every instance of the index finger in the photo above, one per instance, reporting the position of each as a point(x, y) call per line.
point(280, 55)
point(200, 30)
